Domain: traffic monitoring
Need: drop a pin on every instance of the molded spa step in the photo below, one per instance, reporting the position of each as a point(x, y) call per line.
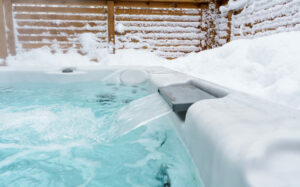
point(181, 96)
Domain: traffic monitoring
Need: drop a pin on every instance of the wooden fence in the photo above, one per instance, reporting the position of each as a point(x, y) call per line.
point(168, 28)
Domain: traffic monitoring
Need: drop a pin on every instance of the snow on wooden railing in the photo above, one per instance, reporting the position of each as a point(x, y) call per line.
point(249, 19)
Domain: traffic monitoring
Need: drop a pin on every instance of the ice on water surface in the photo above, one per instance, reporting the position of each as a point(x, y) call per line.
point(72, 135)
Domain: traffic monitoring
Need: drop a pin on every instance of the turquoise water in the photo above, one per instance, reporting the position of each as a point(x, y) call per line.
point(64, 135)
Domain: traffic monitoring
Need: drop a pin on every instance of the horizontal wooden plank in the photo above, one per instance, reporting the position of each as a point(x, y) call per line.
point(159, 5)
point(156, 12)
point(103, 2)
point(23, 38)
point(171, 1)
point(158, 24)
point(169, 50)
point(165, 37)
point(62, 2)
point(156, 46)
point(179, 49)
point(56, 31)
point(40, 45)
point(48, 38)
point(59, 9)
point(59, 24)
point(141, 32)
point(162, 40)
point(175, 45)
point(58, 17)
point(160, 19)
point(162, 28)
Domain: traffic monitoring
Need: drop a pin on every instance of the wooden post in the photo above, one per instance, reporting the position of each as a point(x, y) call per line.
point(202, 7)
point(229, 26)
point(10, 33)
point(3, 47)
point(111, 25)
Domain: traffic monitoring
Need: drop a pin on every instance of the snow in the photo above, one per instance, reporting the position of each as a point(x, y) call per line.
point(120, 28)
point(234, 5)
point(264, 17)
point(267, 67)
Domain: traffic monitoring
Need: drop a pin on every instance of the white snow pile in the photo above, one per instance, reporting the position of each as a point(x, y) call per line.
point(268, 67)
point(120, 28)
point(235, 5)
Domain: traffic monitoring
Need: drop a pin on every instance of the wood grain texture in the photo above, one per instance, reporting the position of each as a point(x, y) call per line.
point(172, 1)
point(229, 25)
point(62, 2)
point(3, 47)
point(59, 17)
point(111, 24)
point(73, 24)
point(10, 27)
point(60, 9)
point(156, 4)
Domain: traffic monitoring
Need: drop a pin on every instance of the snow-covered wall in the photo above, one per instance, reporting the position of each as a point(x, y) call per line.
point(167, 29)
point(57, 25)
point(168, 32)
point(255, 18)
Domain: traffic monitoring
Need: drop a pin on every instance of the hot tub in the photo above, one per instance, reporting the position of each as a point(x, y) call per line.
point(103, 127)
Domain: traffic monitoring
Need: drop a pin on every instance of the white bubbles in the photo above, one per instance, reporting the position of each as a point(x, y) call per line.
point(50, 124)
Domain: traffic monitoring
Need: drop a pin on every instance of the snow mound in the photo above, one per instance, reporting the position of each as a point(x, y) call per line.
point(268, 67)
point(43, 57)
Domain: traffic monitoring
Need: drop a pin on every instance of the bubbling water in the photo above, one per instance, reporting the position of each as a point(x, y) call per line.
point(89, 134)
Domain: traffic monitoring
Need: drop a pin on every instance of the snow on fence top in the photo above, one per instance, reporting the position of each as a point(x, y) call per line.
point(254, 18)
point(168, 28)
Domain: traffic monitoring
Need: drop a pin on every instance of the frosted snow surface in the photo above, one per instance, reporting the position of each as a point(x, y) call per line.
point(267, 67)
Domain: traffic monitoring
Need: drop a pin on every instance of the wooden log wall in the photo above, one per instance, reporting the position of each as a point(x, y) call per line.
point(168, 28)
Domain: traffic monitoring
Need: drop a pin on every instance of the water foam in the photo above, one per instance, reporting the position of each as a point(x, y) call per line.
point(139, 113)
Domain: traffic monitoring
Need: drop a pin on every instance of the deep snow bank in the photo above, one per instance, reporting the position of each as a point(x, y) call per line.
point(267, 67)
